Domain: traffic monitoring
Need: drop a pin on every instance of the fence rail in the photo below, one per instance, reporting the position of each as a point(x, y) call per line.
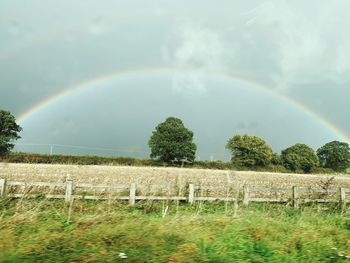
point(193, 193)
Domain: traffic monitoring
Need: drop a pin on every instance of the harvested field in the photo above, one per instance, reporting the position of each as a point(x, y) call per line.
point(163, 176)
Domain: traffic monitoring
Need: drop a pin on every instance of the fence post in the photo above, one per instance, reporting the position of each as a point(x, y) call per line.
point(245, 195)
point(295, 197)
point(191, 194)
point(69, 190)
point(132, 197)
point(3, 187)
point(342, 196)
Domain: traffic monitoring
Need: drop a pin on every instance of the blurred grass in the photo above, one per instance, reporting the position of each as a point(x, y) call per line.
point(37, 231)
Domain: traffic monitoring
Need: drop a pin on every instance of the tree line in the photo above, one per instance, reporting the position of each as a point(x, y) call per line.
point(172, 142)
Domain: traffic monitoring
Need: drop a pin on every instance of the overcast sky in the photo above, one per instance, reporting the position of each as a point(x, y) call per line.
point(224, 67)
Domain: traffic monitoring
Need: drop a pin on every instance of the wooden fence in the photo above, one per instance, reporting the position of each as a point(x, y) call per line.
point(191, 194)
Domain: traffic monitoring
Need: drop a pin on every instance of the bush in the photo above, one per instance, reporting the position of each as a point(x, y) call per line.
point(76, 159)
point(219, 165)
point(322, 170)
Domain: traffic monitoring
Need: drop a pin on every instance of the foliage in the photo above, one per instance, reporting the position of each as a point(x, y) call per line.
point(271, 168)
point(76, 159)
point(36, 231)
point(9, 131)
point(335, 155)
point(99, 160)
point(218, 165)
point(299, 157)
point(276, 159)
point(249, 151)
point(171, 140)
point(322, 170)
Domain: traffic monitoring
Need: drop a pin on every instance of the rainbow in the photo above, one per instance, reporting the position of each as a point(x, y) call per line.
point(157, 70)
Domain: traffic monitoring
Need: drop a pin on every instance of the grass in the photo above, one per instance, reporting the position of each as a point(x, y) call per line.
point(37, 231)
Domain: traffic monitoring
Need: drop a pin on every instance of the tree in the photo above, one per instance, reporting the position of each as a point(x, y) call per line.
point(276, 159)
point(171, 141)
point(335, 155)
point(249, 151)
point(9, 131)
point(299, 157)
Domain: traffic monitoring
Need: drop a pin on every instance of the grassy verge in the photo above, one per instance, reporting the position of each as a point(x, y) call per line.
point(37, 231)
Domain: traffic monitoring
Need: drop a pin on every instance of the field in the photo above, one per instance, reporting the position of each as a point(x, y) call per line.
point(41, 230)
point(156, 175)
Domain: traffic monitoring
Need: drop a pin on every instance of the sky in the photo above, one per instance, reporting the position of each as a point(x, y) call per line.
point(96, 77)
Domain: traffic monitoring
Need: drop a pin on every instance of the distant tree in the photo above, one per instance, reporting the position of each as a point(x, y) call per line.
point(335, 155)
point(9, 131)
point(171, 141)
point(249, 151)
point(299, 157)
point(276, 159)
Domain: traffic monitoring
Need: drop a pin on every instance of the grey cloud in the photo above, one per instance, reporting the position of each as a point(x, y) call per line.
point(194, 50)
point(296, 48)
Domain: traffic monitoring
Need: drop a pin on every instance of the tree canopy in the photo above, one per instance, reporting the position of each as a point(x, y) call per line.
point(171, 141)
point(249, 151)
point(299, 157)
point(335, 155)
point(9, 131)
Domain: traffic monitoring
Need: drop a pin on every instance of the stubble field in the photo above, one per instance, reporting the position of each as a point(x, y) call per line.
point(155, 175)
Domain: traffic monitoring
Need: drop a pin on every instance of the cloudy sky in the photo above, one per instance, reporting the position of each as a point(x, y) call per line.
point(105, 73)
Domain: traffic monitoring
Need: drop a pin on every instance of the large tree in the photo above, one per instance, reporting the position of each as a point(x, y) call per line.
point(249, 151)
point(335, 155)
point(299, 157)
point(9, 131)
point(171, 141)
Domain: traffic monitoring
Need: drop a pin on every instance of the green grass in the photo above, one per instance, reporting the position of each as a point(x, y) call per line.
point(37, 231)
